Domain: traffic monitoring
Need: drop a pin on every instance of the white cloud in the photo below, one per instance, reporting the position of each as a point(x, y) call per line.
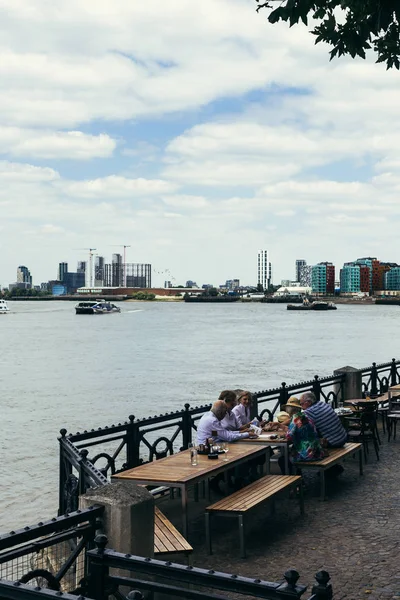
point(115, 186)
point(41, 144)
point(23, 173)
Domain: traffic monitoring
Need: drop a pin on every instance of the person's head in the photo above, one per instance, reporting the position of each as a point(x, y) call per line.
point(307, 399)
point(245, 399)
point(293, 406)
point(229, 397)
point(219, 408)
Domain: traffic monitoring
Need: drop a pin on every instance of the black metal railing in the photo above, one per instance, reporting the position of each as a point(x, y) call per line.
point(51, 554)
point(192, 583)
point(89, 458)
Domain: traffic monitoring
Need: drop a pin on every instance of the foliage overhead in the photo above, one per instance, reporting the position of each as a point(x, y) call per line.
point(349, 26)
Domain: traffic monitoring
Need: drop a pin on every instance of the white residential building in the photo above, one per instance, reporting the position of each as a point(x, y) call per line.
point(264, 274)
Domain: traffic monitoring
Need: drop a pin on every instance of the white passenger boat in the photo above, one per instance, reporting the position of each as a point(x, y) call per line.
point(96, 307)
point(4, 307)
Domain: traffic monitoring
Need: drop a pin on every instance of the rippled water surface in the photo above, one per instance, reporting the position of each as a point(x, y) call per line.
point(78, 372)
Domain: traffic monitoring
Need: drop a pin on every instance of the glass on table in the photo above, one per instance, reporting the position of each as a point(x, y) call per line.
point(226, 450)
point(340, 404)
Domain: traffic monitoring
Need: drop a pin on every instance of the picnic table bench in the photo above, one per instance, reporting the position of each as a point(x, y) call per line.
point(251, 496)
point(167, 539)
point(336, 455)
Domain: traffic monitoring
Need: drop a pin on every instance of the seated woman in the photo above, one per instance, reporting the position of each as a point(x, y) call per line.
point(302, 433)
point(242, 409)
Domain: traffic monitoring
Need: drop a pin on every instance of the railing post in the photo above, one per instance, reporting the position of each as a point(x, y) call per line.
point(290, 589)
point(132, 443)
point(316, 386)
point(393, 372)
point(82, 474)
point(65, 469)
point(374, 380)
point(254, 406)
point(283, 395)
point(97, 570)
point(322, 590)
point(186, 427)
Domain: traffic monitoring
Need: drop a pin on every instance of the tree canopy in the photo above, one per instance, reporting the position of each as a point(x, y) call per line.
point(350, 26)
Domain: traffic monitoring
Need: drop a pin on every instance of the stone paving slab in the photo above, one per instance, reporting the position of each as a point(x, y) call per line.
point(354, 534)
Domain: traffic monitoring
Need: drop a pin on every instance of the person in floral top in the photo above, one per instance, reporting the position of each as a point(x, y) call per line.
point(302, 433)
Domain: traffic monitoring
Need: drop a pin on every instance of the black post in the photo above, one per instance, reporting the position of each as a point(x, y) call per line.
point(316, 386)
point(374, 380)
point(283, 395)
point(186, 427)
point(290, 589)
point(393, 372)
point(322, 590)
point(82, 474)
point(132, 443)
point(98, 571)
point(65, 469)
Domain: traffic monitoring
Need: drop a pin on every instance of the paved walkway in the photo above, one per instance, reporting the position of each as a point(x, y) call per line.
point(354, 535)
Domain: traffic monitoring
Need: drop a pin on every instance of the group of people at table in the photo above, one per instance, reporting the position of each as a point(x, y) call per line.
point(309, 425)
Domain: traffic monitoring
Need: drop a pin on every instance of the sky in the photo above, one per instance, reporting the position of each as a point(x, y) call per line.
point(194, 132)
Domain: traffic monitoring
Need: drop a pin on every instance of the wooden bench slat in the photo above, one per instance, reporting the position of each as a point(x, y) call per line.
point(334, 455)
point(253, 494)
point(167, 539)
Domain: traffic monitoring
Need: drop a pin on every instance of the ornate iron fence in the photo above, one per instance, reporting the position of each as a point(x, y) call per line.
point(51, 554)
point(89, 458)
point(176, 580)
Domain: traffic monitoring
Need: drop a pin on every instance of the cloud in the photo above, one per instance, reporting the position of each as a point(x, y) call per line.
point(46, 144)
point(24, 173)
point(115, 186)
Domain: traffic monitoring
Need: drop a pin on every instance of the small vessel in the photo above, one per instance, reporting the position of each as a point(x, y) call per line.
point(96, 307)
point(4, 307)
point(313, 306)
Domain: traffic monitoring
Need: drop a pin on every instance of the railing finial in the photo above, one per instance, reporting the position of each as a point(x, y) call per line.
point(322, 590)
point(101, 542)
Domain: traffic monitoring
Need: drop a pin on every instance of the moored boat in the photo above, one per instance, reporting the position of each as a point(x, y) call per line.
point(96, 307)
point(4, 307)
point(313, 306)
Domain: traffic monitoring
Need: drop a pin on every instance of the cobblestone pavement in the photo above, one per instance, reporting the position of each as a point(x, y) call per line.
point(354, 534)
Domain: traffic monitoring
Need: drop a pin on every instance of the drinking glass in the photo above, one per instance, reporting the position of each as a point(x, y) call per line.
point(226, 450)
point(340, 404)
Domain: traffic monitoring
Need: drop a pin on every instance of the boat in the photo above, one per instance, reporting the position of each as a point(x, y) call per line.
point(4, 307)
point(96, 307)
point(313, 306)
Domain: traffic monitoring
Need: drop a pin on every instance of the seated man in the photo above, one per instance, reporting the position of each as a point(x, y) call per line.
point(325, 419)
point(230, 420)
point(210, 426)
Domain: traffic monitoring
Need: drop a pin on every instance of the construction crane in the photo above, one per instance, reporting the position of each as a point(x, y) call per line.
point(124, 246)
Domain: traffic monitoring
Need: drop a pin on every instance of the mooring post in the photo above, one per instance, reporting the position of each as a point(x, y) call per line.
point(351, 386)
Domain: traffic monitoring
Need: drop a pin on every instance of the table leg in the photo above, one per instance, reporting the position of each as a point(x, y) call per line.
point(360, 458)
point(241, 536)
point(208, 533)
point(301, 497)
point(286, 450)
point(184, 511)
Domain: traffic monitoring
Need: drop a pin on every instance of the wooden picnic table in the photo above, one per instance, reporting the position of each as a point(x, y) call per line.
point(176, 471)
point(265, 439)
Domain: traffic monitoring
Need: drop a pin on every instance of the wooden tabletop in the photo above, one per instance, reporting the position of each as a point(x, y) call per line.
point(394, 388)
point(177, 468)
point(263, 438)
point(359, 400)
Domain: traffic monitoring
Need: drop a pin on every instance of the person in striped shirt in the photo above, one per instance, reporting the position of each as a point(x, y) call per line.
point(325, 420)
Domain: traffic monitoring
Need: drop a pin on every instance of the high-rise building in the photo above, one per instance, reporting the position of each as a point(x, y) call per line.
point(392, 279)
point(300, 264)
point(264, 273)
point(62, 271)
point(24, 276)
point(305, 275)
point(99, 274)
point(137, 275)
point(81, 266)
point(117, 272)
point(168, 284)
point(232, 284)
point(323, 278)
point(350, 279)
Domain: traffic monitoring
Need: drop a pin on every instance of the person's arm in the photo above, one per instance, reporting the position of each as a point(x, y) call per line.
point(233, 436)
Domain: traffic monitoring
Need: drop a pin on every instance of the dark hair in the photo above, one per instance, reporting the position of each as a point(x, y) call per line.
point(227, 396)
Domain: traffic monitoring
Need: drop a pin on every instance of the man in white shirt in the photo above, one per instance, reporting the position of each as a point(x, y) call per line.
point(210, 426)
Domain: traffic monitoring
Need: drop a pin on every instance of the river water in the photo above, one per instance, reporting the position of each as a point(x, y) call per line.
point(78, 372)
